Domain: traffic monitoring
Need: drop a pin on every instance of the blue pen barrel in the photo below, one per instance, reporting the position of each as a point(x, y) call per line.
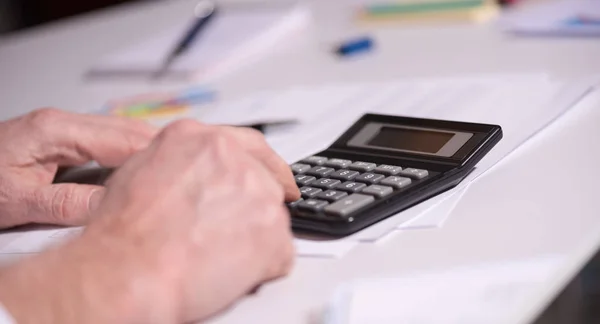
point(355, 46)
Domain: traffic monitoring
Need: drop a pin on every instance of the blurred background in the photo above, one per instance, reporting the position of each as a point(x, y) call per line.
point(22, 14)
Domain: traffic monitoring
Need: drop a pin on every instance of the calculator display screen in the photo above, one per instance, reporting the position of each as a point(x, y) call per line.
point(411, 139)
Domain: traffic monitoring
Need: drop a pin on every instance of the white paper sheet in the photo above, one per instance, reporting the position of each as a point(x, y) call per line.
point(474, 294)
point(555, 18)
point(435, 218)
point(233, 38)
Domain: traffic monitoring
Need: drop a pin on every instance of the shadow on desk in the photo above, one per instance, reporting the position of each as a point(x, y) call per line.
point(579, 302)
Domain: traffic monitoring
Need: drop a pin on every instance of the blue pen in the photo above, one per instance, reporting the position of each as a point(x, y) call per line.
point(205, 12)
point(355, 46)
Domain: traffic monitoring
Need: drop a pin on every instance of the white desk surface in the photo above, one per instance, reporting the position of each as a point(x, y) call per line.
point(541, 200)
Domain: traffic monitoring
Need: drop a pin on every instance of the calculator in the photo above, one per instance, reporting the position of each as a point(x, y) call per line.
point(381, 166)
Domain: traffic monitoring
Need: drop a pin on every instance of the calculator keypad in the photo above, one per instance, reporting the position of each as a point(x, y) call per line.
point(414, 173)
point(303, 180)
point(325, 183)
point(344, 175)
point(378, 191)
point(309, 192)
point(351, 186)
point(315, 160)
point(338, 163)
point(362, 166)
point(299, 168)
point(349, 205)
point(369, 178)
point(320, 171)
point(314, 205)
point(339, 187)
point(388, 169)
point(396, 182)
point(332, 195)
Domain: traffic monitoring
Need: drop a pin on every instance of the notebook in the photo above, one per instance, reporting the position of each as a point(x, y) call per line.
point(236, 36)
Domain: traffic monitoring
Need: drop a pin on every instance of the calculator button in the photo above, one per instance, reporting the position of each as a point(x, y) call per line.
point(414, 173)
point(309, 192)
point(348, 205)
point(314, 205)
point(344, 175)
point(315, 160)
point(388, 169)
point(326, 183)
point(303, 180)
point(350, 186)
point(319, 171)
point(363, 166)
point(295, 203)
point(378, 191)
point(369, 177)
point(332, 195)
point(338, 163)
point(299, 168)
point(396, 182)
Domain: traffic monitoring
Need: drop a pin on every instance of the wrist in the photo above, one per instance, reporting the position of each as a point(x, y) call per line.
point(84, 281)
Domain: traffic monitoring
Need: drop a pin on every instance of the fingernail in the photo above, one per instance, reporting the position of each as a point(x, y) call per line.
point(95, 200)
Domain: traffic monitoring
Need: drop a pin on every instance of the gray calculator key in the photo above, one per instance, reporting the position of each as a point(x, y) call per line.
point(295, 203)
point(299, 168)
point(344, 175)
point(388, 169)
point(348, 205)
point(378, 191)
point(350, 186)
point(414, 173)
point(369, 177)
point(303, 180)
point(326, 183)
point(314, 205)
point(309, 192)
point(332, 195)
point(319, 171)
point(363, 166)
point(396, 182)
point(315, 160)
point(338, 163)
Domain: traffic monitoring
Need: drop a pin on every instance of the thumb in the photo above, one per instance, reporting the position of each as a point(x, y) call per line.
point(66, 204)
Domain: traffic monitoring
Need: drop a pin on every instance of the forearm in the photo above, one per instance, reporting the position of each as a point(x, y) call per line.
point(66, 285)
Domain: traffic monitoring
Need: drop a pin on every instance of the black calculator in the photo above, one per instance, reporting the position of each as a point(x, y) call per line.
point(383, 165)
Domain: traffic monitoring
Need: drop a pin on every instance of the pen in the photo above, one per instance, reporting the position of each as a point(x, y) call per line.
point(262, 126)
point(204, 12)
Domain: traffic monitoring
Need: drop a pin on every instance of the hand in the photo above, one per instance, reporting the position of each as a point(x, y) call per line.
point(32, 148)
point(186, 227)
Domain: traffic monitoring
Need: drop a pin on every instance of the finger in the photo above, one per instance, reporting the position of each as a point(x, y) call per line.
point(73, 139)
point(256, 145)
point(64, 204)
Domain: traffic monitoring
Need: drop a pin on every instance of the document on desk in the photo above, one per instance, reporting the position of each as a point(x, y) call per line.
point(474, 294)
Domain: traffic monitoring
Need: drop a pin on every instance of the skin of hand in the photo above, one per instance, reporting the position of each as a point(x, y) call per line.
point(33, 146)
point(185, 228)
